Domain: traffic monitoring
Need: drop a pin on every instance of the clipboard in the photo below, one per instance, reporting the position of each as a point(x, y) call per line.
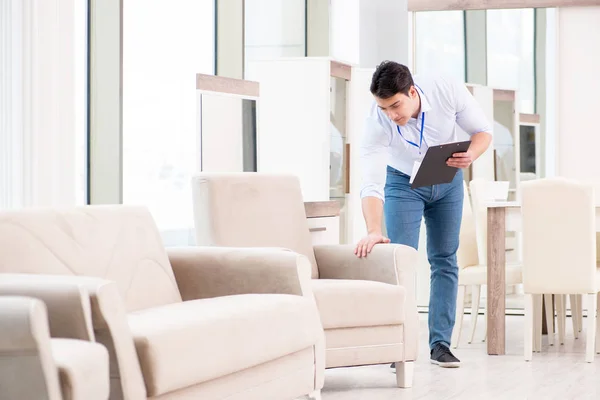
point(433, 169)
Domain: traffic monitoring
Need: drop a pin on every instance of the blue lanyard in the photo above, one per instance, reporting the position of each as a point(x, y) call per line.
point(420, 140)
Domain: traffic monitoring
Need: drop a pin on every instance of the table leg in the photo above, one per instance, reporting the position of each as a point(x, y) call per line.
point(496, 275)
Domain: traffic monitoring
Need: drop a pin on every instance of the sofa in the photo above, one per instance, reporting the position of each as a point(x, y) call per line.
point(178, 323)
point(367, 305)
point(34, 366)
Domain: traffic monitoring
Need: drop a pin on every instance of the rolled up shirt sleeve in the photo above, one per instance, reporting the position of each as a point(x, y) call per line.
point(469, 114)
point(374, 155)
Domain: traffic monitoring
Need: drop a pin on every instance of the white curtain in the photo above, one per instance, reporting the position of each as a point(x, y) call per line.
point(11, 104)
point(42, 102)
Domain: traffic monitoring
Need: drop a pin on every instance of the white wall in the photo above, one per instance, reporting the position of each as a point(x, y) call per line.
point(578, 60)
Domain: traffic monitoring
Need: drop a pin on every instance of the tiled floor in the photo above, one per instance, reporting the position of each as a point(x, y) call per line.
point(559, 372)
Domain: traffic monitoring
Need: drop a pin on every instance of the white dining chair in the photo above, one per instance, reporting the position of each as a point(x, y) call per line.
point(559, 252)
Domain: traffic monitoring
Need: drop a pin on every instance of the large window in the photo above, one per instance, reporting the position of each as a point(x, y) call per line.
point(274, 28)
point(440, 43)
point(510, 53)
point(165, 44)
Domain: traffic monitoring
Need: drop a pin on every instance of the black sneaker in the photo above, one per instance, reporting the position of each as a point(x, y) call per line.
point(441, 355)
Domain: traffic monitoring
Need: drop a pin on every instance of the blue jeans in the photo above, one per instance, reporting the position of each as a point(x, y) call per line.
point(441, 205)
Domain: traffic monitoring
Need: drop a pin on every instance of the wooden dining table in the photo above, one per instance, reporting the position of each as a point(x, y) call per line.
point(502, 217)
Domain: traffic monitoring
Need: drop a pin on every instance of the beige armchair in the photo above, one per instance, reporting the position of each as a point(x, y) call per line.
point(35, 367)
point(191, 323)
point(367, 306)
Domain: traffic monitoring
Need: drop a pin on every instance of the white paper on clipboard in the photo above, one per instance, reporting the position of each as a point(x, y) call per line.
point(415, 169)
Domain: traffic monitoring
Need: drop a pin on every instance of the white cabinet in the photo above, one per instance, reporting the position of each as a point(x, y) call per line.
point(324, 230)
point(304, 123)
point(323, 221)
point(294, 121)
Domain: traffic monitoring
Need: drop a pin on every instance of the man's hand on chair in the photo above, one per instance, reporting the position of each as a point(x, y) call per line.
point(366, 244)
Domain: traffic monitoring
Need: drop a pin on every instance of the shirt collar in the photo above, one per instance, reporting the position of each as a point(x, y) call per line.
point(425, 106)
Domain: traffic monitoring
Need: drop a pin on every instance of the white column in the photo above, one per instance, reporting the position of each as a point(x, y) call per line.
point(578, 63)
point(230, 38)
point(106, 124)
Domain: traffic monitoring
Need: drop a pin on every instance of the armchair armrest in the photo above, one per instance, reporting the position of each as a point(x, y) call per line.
point(387, 263)
point(205, 272)
point(109, 322)
point(67, 304)
point(29, 370)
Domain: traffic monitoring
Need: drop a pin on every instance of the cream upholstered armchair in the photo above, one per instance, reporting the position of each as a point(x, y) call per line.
point(367, 305)
point(187, 323)
point(34, 366)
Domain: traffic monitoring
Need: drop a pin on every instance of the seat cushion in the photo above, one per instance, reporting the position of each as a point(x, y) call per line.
point(354, 303)
point(83, 369)
point(183, 344)
point(477, 275)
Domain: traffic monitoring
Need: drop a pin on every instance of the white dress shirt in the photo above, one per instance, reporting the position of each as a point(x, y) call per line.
point(444, 103)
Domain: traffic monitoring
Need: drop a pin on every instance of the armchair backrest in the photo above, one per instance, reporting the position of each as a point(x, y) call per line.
point(118, 243)
point(251, 210)
point(559, 235)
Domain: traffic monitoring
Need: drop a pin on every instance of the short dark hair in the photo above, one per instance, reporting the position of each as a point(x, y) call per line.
point(391, 78)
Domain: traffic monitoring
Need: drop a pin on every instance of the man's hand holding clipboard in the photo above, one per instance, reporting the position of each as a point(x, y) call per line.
point(461, 160)
point(440, 164)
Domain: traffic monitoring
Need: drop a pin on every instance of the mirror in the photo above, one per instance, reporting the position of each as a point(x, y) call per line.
point(227, 133)
point(338, 138)
point(338, 167)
